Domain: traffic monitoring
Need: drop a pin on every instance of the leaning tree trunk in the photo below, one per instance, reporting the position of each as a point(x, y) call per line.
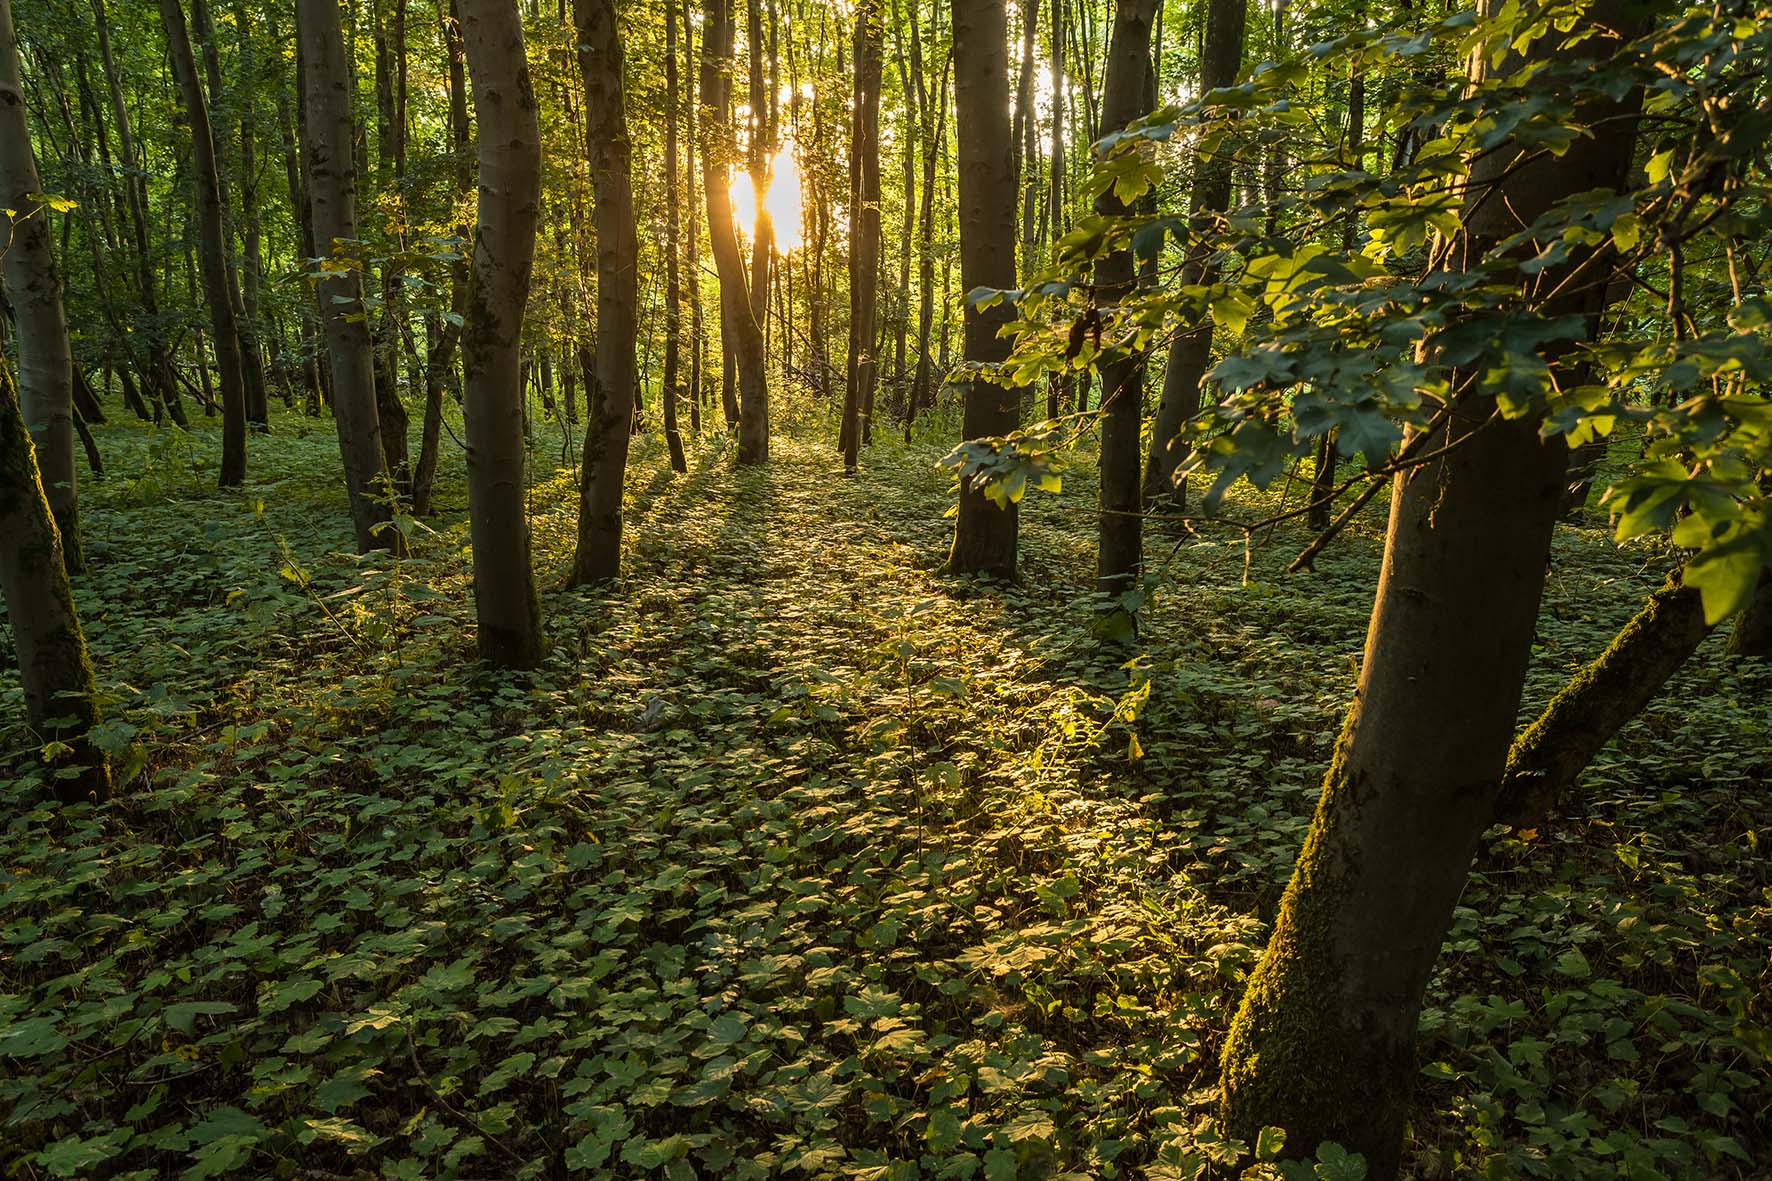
point(212, 248)
point(864, 242)
point(61, 703)
point(1192, 347)
point(45, 364)
point(738, 323)
point(984, 534)
point(610, 396)
point(332, 201)
point(1323, 1043)
point(505, 602)
point(1120, 521)
point(1583, 717)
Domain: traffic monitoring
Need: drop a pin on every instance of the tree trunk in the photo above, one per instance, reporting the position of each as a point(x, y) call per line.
point(984, 534)
point(1323, 1042)
point(1120, 522)
point(332, 200)
point(157, 379)
point(1192, 347)
point(1752, 633)
point(45, 363)
point(390, 152)
point(61, 702)
point(252, 373)
point(1323, 473)
point(864, 238)
point(609, 399)
point(1551, 754)
point(213, 249)
point(739, 324)
point(673, 248)
point(505, 602)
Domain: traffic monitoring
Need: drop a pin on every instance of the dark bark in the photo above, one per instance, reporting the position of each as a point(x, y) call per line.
point(1220, 60)
point(1551, 753)
point(984, 534)
point(740, 330)
point(1323, 1042)
point(609, 396)
point(864, 238)
point(1120, 555)
point(329, 131)
point(212, 249)
point(673, 248)
point(34, 286)
point(61, 702)
point(505, 603)
point(1752, 633)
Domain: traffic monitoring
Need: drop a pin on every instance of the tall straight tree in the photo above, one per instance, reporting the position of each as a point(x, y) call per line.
point(1120, 522)
point(673, 245)
point(738, 324)
point(1323, 1043)
point(158, 375)
point(329, 131)
point(1192, 347)
point(609, 396)
point(46, 366)
point(984, 534)
point(505, 603)
point(212, 248)
point(61, 703)
point(864, 231)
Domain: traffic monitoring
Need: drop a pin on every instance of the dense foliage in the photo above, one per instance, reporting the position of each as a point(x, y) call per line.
point(794, 860)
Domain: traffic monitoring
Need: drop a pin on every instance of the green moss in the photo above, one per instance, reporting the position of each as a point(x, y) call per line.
point(1292, 1058)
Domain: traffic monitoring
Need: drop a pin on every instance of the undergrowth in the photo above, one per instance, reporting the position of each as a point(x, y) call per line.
point(799, 859)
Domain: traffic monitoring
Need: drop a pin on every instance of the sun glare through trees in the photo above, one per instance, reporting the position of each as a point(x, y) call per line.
point(886, 590)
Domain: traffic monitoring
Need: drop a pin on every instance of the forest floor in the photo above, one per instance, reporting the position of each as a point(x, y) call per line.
point(799, 859)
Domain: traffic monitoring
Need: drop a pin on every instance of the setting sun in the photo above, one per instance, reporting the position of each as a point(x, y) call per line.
point(782, 201)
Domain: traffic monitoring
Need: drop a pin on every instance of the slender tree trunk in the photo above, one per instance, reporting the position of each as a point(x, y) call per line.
point(1323, 474)
point(673, 248)
point(46, 364)
point(739, 324)
point(697, 330)
point(610, 397)
point(1323, 1042)
point(252, 374)
point(61, 702)
point(1192, 347)
point(158, 380)
point(1120, 555)
point(332, 198)
point(984, 534)
point(864, 240)
point(212, 249)
point(760, 143)
point(505, 602)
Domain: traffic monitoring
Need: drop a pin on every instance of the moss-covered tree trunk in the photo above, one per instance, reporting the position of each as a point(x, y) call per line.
point(1120, 504)
point(212, 248)
point(1322, 1044)
point(505, 603)
point(1551, 753)
point(45, 363)
point(328, 132)
point(61, 703)
point(610, 395)
point(985, 535)
point(1192, 347)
